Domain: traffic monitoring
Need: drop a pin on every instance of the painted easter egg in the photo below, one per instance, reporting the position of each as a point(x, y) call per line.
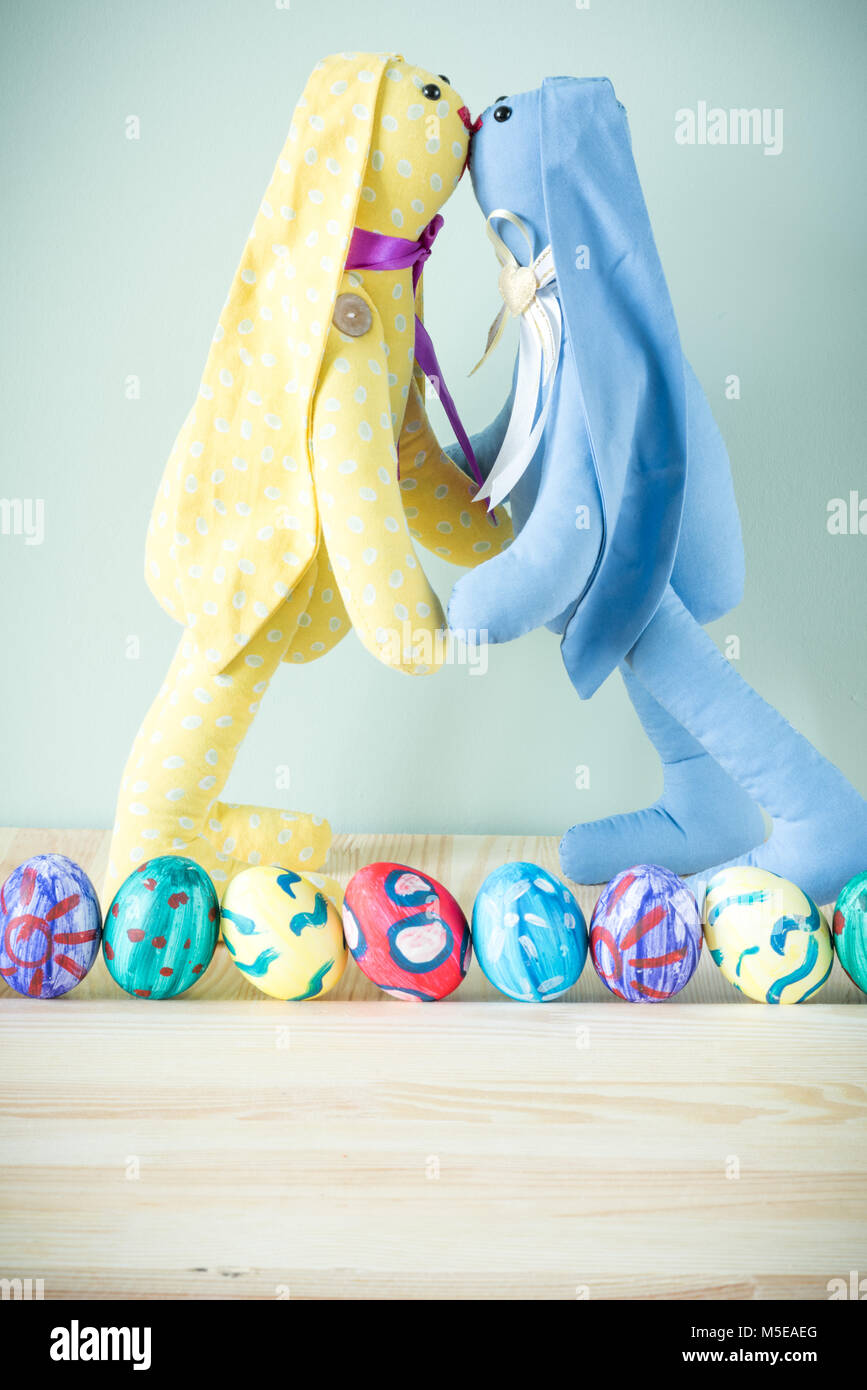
point(767, 937)
point(850, 930)
point(283, 932)
point(645, 934)
point(529, 933)
point(161, 928)
point(50, 926)
point(407, 932)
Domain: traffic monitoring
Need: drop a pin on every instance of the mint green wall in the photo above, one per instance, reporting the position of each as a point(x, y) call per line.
point(117, 258)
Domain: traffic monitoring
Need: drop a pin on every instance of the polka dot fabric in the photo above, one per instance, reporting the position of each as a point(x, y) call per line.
point(235, 525)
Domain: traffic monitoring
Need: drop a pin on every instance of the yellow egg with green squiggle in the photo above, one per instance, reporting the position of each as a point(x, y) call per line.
point(768, 938)
point(283, 932)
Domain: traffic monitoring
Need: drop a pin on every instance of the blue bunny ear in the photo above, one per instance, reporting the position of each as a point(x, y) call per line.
point(623, 334)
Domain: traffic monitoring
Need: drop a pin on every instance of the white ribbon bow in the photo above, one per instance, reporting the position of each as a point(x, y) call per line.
point(529, 292)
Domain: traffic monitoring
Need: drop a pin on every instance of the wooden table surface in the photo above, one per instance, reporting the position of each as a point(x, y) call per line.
point(226, 1145)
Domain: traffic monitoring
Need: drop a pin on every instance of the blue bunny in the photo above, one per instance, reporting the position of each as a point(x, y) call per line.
point(613, 509)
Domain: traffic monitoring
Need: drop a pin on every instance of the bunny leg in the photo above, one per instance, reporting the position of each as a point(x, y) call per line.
point(701, 816)
point(438, 497)
point(386, 593)
point(181, 759)
point(818, 820)
point(547, 566)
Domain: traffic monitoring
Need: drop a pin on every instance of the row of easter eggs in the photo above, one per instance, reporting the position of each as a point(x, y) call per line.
point(409, 936)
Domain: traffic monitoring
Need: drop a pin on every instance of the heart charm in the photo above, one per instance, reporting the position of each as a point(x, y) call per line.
point(517, 284)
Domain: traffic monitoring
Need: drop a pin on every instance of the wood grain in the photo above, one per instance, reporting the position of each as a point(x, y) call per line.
point(224, 1145)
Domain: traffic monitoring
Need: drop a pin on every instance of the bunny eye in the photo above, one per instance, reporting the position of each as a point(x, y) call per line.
point(502, 113)
point(431, 91)
point(442, 77)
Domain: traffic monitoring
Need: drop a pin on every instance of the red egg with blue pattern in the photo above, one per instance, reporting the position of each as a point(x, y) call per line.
point(406, 932)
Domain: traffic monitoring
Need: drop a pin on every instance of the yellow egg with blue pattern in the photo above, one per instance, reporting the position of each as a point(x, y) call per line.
point(768, 938)
point(283, 932)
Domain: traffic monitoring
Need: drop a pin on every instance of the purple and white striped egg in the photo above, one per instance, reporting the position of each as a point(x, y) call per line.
point(645, 934)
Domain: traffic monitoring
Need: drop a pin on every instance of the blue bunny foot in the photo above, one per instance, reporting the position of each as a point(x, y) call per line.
point(820, 853)
point(701, 817)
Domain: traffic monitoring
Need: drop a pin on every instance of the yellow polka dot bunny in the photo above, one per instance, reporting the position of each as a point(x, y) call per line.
point(307, 467)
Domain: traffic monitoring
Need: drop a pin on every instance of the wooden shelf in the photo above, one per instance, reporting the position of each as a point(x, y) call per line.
point(225, 1145)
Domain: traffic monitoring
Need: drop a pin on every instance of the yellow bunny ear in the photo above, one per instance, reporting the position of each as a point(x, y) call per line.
point(235, 523)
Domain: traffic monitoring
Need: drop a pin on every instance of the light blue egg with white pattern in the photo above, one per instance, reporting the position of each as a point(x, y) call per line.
point(529, 934)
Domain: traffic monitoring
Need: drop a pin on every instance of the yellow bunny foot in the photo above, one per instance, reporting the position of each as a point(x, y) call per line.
point(263, 835)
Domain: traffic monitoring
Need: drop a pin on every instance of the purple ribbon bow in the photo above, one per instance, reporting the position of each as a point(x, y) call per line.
point(376, 251)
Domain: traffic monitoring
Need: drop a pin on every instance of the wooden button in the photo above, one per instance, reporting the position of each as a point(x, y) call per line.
point(352, 315)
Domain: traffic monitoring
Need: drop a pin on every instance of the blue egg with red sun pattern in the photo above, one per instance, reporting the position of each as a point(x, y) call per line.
point(529, 934)
point(50, 926)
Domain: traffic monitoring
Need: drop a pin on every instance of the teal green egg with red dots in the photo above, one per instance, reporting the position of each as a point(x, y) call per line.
point(161, 929)
point(850, 930)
